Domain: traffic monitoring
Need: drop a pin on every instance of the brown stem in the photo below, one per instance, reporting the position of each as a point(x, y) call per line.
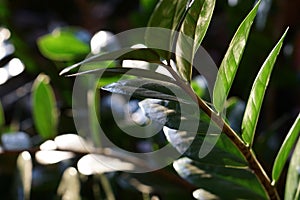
point(247, 152)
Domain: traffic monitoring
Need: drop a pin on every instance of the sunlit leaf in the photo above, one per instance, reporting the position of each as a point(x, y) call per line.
point(72, 142)
point(285, 150)
point(257, 94)
point(231, 61)
point(143, 54)
point(48, 157)
point(45, 113)
point(99, 164)
point(63, 45)
point(226, 182)
point(167, 14)
point(24, 163)
point(193, 27)
point(292, 186)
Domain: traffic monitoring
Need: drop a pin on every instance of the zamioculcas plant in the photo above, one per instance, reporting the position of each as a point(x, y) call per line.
point(230, 170)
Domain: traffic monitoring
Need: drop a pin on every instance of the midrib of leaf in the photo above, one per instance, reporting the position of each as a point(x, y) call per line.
point(257, 94)
point(231, 61)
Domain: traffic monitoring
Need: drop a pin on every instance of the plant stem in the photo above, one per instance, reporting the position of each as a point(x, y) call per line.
point(247, 152)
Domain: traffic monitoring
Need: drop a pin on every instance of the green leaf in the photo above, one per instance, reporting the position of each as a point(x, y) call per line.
point(45, 114)
point(285, 150)
point(149, 88)
point(144, 54)
point(292, 186)
point(193, 27)
point(188, 130)
point(167, 14)
point(231, 61)
point(63, 45)
point(225, 182)
point(257, 94)
point(2, 118)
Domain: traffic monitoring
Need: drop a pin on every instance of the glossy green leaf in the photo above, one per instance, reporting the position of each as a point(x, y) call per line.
point(231, 61)
point(167, 14)
point(292, 186)
point(225, 182)
point(257, 94)
point(45, 113)
point(194, 27)
point(144, 54)
point(285, 150)
point(63, 45)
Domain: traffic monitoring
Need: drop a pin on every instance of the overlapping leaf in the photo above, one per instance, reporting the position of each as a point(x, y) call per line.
point(191, 34)
point(292, 186)
point(285, 150)
point(231, 61)
point(44, 107)
point(168, 14)
point(221, 181)
point(257, 94)
point(143, 54)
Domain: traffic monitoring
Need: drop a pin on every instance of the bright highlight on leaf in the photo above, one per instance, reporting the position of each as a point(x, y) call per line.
point(231, 61)
point(194, 26)
point(285, 150)
point(257, 94)
point(44, 107)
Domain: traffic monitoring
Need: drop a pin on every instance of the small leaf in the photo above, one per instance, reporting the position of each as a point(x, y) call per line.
point(285, 150)
point(257, 94)
point(45, 113)
point(292, 186)
point(143, 54)
point(226, 182)
point(99, 164)
point(24, 163)
point(194, 27)
point(63, 45)
point(48, 157)
point(2, 118)
point(167, 14)
point(231, 61)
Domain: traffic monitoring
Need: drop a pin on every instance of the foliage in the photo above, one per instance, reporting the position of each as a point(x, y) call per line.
point(229, 171)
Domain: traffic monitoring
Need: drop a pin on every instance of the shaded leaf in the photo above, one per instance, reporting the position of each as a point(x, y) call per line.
point(56, 45)
point(15, 141)
point(225, 182)
point(45, 113)
point(144, 54)
point(2, 118)
point(257, 94)
point(194, 27)
point(24, 163)
point(292, 186)
point(186, 129)
point(149, 88)
point(231, 61)
point(285, 150)
point(167, 14)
